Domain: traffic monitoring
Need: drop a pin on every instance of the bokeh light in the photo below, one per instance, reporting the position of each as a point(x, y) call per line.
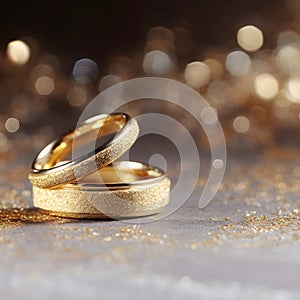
point(238, 77)
point(44, 85)
point(241, 124)
point(12, 125)
point(197, 74)
point(85, 69)
point(293, 89)
point(266, 86)
point(157, 63)
point(287, 37)
point(77, 96)
point(288, 60)
point(18, 52)
point(250, 38)
point(209, 115)
point(218, 164)
point(238, 63)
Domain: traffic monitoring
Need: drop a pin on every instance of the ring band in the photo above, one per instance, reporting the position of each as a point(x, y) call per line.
point(45, 171)
point(130, 189)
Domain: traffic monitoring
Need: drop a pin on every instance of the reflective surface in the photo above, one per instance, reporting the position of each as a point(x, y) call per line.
point(214, 253)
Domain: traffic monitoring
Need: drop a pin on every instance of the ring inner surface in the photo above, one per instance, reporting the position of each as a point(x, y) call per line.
point(119, 175)
point(53, 154)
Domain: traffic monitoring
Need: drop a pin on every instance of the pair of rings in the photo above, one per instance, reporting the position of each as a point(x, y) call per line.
point(94, 185)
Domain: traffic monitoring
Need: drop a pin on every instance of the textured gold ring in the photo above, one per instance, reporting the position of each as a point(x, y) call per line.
point(129, 189)
point(45, 170)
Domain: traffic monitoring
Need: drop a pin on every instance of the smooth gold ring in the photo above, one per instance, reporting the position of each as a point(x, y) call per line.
point(129, 189)
point(46, 172)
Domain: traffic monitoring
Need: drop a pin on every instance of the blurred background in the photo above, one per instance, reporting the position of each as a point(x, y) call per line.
point(104, 29)
point(242, 56)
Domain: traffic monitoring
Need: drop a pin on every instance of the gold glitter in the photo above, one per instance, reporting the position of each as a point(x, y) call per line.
point(132, 201)
point(18, 217)
point(108, 234)
point(286, 226)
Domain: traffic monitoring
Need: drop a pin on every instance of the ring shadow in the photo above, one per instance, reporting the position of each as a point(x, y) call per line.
point(32, 215)
point(20, 216)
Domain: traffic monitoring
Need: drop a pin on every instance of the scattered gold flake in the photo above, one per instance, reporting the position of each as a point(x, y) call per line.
point(18, 217)
point(269, 229)
point(109, 234)
point(250, 213)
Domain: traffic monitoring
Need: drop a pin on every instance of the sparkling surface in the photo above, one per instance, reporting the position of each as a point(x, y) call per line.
point(250, 227)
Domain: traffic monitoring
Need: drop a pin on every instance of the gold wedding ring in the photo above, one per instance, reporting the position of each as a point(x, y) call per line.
point(93, 185)
point(129, 189)
point(45, 172)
